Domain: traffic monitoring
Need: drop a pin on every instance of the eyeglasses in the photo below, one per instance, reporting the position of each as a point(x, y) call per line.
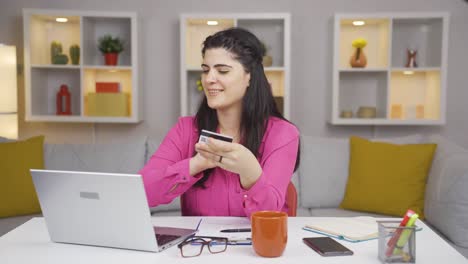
point(193, 246)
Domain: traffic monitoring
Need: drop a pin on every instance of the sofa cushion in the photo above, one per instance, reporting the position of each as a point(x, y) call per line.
point(3, 139)
point(17, 193)
point(338, 212)
point(151, 147)
point(172, 206)
point(461, 250)
point(167, 213)
point(9, 223)
point(302, 211)
point(387, 178)
point(324, 169)
point(118, 158)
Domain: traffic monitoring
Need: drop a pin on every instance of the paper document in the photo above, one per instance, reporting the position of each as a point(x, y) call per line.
point(353, 229)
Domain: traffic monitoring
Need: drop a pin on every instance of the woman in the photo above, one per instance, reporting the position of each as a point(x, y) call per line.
point(221, 178)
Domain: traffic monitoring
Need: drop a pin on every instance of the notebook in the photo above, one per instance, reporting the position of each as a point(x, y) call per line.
point(101, 209)
point(351, 229)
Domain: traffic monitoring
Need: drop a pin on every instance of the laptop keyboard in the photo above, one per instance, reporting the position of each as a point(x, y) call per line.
point(164, 239)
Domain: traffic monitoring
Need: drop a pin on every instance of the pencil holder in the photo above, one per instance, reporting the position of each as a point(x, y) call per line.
point(396, 244)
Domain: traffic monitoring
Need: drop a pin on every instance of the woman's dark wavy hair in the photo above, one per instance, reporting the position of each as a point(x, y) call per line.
point(258, 104)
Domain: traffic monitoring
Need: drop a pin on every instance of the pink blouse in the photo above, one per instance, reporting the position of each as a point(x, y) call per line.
point(223, 195)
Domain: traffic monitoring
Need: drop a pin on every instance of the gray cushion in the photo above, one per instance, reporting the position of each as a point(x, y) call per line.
point(3, 139)
point(301, 211)
point(167, 213)
point(174, 205)
point(462, 250)
point(10, 223)
point(118, 158)
point(151, 147)
point(323, 173)
point(337, 212)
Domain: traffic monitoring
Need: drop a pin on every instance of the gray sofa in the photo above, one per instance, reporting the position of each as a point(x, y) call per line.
point(320, 180)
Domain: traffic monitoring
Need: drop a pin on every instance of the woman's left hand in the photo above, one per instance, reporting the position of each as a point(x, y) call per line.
point(232, 157)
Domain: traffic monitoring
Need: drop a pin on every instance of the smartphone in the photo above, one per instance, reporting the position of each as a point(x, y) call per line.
point(327, 246)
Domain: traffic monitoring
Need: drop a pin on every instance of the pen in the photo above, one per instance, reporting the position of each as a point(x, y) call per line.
point(199, 222)
point(236, 242)
point(240, 242)
point(236, 230)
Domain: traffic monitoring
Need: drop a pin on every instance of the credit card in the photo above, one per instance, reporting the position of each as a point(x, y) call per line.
point(205, 134)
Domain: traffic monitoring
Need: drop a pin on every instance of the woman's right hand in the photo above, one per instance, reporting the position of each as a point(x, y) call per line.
point(198, 163)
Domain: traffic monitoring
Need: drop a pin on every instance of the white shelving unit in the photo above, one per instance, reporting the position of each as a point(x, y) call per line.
point(401, 95)
point(43, 79)
point(273, 29)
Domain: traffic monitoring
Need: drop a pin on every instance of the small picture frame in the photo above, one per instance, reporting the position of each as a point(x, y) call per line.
point(396, 111)
point(420, 111)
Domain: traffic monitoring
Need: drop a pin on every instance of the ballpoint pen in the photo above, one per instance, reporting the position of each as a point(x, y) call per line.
point(199, 222)
point(236, 230)
point(240, 241)
point(236, 242)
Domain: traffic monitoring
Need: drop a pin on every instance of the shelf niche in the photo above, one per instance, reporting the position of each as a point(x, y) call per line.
point(416, 90)
point(96, 27)
point(47, 84)
point(197, 30)
point(363, 89)
point(421, 34)
point(375, 32)
point(271, 33)
point(44, 30)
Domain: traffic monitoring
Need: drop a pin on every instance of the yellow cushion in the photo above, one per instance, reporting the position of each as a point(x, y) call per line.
point(387, 178)
point(17, 193)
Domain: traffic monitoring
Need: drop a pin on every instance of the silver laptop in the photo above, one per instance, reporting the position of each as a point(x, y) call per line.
point(101, 209)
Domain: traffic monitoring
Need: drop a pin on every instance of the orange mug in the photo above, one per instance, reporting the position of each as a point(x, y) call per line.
point(269, 233)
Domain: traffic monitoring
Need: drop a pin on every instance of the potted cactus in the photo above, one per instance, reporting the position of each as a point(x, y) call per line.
point(56, 55)
point(75, 54)
point(110, 48)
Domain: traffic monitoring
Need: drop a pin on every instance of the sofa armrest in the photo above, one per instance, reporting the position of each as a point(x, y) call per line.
point(446, 198)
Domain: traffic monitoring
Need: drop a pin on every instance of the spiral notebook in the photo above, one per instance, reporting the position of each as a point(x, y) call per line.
point(351, 229)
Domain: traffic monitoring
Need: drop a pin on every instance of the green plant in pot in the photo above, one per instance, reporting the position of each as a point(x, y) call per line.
point(56, 55)
point(110, 48)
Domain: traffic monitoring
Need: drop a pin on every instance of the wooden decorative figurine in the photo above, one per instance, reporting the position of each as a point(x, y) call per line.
point(411, 54)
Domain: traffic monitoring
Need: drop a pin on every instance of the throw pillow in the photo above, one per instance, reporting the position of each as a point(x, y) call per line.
point(17, 191)
point(387, 178)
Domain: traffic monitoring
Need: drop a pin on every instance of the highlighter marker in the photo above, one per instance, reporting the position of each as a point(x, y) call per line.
point(405, 235)
point(392, 242)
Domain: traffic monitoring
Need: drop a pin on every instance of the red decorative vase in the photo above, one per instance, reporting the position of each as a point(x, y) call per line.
point(63, 101)
point(111, 58)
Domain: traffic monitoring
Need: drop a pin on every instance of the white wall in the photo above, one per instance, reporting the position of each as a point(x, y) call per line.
point(311, 63)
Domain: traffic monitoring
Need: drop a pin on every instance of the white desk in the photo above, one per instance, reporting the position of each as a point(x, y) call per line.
point(30, 243)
